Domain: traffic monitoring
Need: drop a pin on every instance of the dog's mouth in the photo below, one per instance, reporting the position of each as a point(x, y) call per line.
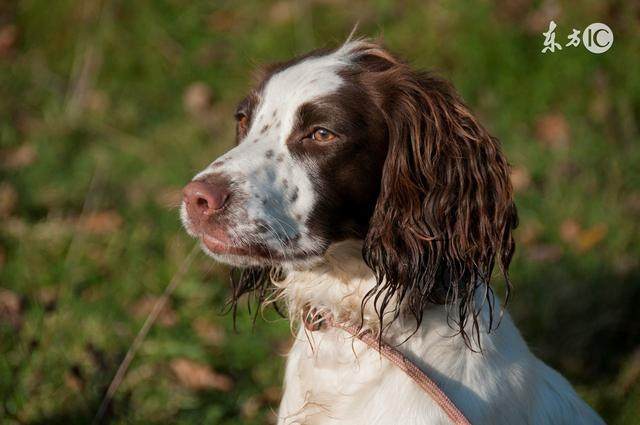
point(222, 248)
point(225, 242)
point(222, 245)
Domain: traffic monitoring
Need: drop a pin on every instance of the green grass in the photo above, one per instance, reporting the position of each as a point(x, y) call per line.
point(96, 140)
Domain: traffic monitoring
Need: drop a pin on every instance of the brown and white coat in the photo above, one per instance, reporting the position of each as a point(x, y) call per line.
point(368, 190)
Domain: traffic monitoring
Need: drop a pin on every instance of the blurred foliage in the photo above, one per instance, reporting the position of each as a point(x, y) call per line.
point(108, 107)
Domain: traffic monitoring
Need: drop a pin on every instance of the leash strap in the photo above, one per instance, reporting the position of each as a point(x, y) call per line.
point(314, 320)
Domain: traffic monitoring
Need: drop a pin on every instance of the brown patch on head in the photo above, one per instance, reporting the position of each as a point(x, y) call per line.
point(414, 174)
point(244, 115)
point(445, 213)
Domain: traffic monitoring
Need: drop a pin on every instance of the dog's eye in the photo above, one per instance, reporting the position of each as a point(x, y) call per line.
point(242, 121)
point(241, 118)
point(323, 135)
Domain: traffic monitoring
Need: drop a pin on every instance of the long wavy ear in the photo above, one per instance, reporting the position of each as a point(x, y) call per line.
point(445, 213)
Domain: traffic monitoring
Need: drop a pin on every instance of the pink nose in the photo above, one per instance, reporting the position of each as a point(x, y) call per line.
point(204, 199)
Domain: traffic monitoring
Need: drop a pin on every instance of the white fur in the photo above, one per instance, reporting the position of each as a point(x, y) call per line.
point(263, 169)
point(333, 379)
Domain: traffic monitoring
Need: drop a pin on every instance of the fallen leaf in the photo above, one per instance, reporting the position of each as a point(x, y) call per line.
point(20, 157)
point(198, 376)
point(10, 308)
point(100, 223)
point(250, 407)
point(553, 131)
point(520, 178)
point(281, 12)
point(8, 37)
point(198, 99)
point(570, 231)
point(8, 199)
point(591, 237)
point(143, 307)
point(209, 332)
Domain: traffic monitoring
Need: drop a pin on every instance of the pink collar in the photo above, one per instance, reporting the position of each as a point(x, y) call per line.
point(315, 320)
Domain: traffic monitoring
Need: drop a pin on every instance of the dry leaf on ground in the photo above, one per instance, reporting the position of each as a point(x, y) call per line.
point(197, 99)
point(209, 332)
point(20, 157)
point(520, 178)
point(8, 199)
point(10, 308)
point(281, 12)
point(198, 376)
point(250, 407)
point(8, 37)
point(591, 237)
point(570, 231)
point(100, 223)
point(553, 131)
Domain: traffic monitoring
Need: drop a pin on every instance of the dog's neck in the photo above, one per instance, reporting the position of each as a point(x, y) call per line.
point(337, 286)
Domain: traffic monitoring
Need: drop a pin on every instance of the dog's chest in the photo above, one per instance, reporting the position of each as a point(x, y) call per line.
point(332, 378)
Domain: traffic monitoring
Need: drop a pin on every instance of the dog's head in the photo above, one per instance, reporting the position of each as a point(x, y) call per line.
point(353, 143)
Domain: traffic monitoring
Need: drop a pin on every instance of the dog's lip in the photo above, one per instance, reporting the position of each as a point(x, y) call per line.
point(221, 245)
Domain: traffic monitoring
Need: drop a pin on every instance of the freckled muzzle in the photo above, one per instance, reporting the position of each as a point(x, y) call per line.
point(204, 201)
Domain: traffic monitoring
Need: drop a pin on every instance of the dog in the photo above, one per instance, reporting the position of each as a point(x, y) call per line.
point(365, 190)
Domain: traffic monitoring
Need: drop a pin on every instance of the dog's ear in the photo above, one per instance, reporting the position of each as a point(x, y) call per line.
point(445, 212)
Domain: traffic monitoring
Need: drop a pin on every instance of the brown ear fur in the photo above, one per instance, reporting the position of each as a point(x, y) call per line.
point(445, 212)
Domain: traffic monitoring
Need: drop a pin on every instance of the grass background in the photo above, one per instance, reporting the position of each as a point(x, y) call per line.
point(107, 107)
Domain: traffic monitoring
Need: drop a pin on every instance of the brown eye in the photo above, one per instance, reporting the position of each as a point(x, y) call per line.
point(242, 121)
point(323, 135)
